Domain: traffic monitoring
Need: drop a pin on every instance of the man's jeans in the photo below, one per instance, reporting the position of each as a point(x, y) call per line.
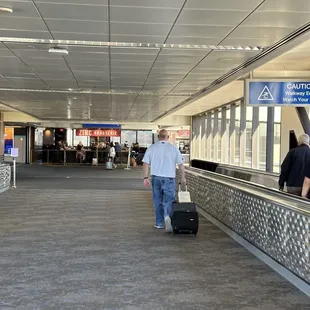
point(163, 197)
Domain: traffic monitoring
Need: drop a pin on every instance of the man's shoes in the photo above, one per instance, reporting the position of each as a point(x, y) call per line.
point(168, 225)
point(159, 226)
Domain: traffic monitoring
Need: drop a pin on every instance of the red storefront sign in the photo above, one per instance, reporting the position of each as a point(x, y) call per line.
point(183, 133)
point(98, 133)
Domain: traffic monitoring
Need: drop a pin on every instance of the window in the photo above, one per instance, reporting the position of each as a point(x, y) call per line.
point(212, 138)
point(237, 137)
point(277, 140)
point(263, 114)
point(248, 137)
point(128, 135)
point(145, 138)
point(262, 145)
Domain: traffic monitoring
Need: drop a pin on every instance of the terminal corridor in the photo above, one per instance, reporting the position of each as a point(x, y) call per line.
point(83, 238)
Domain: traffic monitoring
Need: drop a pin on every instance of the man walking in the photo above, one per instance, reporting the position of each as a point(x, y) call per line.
point(162, 157)
point(293, 168)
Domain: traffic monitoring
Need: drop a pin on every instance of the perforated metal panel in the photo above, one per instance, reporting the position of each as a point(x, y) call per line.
point(5, 177)
point(277, 230)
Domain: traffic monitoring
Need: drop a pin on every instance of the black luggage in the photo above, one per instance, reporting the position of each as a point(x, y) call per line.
point(184, 218)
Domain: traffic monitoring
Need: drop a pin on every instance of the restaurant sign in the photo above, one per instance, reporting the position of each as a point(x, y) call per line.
point(98, 133)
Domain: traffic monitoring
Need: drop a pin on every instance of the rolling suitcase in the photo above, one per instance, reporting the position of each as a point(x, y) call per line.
point(184, 218)
point(109, 164)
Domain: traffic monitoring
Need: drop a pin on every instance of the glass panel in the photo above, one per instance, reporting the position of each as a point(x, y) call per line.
point(227, 135)
point(129, 137)
point(277, 148)
point(277, 114)
point(263, 111)
point(248, 145)
point(145, 138)
point(249, 113)
point(237, 137)
point(262, 146)
point(212, 138)
point(77, 140)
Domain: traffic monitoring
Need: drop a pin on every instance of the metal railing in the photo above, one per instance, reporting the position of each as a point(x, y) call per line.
point(74, 157)
point(276, 223)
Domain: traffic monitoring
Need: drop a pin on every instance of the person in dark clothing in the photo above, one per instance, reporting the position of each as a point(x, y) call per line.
point(293, 168)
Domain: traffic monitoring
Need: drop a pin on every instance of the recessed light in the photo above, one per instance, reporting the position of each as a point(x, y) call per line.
point(58, 50)
point(6, 10)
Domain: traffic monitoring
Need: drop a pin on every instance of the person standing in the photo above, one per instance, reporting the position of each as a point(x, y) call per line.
point(293, 168)
point(112, 154)
point(163, 157)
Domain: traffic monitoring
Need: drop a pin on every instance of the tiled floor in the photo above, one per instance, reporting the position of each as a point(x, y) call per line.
point(83, 238)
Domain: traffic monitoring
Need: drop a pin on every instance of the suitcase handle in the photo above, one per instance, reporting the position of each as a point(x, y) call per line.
point(180, 189)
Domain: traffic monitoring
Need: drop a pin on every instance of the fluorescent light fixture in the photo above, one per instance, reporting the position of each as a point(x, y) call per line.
point(58, 50)
point(127, 45)
point(6, 10)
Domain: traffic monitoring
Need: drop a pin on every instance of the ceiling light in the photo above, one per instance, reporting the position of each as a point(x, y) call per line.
point(6, 10)
point(58, 50)
point(127, 44)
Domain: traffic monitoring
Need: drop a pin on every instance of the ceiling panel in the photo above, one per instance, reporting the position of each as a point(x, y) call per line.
point(75, 12)
point(138, 38)
point(21, 9)
point(286, 6)
point(17, 23)
point(77, 26)
point(229, 5)
point(260, 32)
point(89, 2)
point(202, 31)
point(277, 19)
point(177, 4)
point(145, 29)
point(80, 36)
point(212, 17)
point(143, 15)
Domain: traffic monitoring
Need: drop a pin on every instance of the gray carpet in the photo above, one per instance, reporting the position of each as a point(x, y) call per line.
point(88, 242)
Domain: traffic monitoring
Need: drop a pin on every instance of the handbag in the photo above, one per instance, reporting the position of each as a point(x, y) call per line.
point(184, 196)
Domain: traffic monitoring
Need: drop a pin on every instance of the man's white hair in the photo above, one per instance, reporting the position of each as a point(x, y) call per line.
point(303, 139)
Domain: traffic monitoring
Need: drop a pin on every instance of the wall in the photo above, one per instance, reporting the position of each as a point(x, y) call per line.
point(18, 117)
point(289, 121)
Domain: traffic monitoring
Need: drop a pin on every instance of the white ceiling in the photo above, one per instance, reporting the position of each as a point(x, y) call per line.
point(146, 82)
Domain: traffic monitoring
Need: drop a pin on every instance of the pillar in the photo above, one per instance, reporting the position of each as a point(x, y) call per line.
point(1, 133)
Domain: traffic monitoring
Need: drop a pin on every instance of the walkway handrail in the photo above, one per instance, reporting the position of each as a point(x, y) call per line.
point(290, 201)
point(276, 223)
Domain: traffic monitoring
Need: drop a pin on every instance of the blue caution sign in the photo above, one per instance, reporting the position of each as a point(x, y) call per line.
point(278, 93)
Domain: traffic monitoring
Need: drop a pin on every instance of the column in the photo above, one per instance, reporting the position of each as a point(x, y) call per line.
point(1, 133)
